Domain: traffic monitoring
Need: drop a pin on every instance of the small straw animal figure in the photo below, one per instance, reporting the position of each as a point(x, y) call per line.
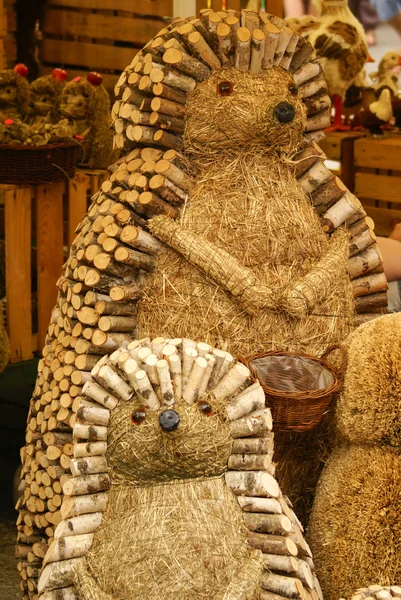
point(86, 103)
point(14, 93)
point(220, 223)
point(44, 97)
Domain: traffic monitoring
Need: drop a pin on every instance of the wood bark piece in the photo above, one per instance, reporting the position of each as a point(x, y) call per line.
point(88, 466)
point(114, 382)
point(257, 51)
point(365, 261)
point(168, 122)
point(254, 445)
point(139, 260)
point(153, 205)
point(319, 120)
point(273, 544)
point(316, 104)
point(272, 34)
point(72, 546)
point(279, 584)
point(370, 284)
point(242, 40)
point(249, 462)
point(191, 390)
point(94, 391)
point(173, 79)
point(303, 51)
point(89, 449)
point(117, 323)
point(306, 158)
point(360, 242)
point(145, 389)
point(282, 44)
point(315, 87)
point(109, 341)
point(327, 194)
point(59, 574)
point(114, 308)
point(371, 302)
point(340, 212)
point(203, 50)
point(81, 505)
point(249, 400)
point(186, 64)
point(169, 93)
point(256, 423)
point(167, 140)
point(224, 34)
point(125, 292)
point(177, 176)
point(167, 190)
point(308, 70)
point(252, 483)
point(315, 177)
point(92, 433)
point(289, 51)
point(85, 484)
point(79, 525)
point(166, 385)
point(175, 370)
point(265, 523)
point(259, 505)
point(231, 382)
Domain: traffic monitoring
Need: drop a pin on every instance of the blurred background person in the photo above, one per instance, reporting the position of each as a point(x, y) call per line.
point(367, 15)
point(390, 11)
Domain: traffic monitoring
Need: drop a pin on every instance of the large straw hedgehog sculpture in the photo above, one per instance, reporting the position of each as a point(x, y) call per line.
point(221, 223)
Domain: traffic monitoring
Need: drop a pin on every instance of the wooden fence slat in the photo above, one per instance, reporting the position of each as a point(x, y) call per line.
point(94, 56)
point(158, 8)
point(378, 154)
point(49, 227)
point(385, 218)
point(18, 271)
point(101, 26)
point(378, 187)
point(77, 202)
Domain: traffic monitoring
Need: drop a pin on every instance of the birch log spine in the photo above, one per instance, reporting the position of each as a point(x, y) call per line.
point(231, 382)
point(257, 423)
point(60, 594)
point(175, 370)
point(260, 505)
point(249, 462)
point(145, 389)
point(252, 483)
point(114, 382)
point(94, 391)
point(166, 385)
point(272, 37)
point(308, 70)
point(315, 177)
point(207, 374)
point(370, 284)
point(273, 544)
point(249, 400)
point(264, 523)
point(340, 212)
point(78, 486)
point(81, 505)
point(78, 525)
point(59, 574)
point(72, 546)
point(288, 564)
point(191, 391)
point(365, 261)
point(279, 584)
point(88, 466)
point(92, 433)
point(93, 415)
point(242, 39)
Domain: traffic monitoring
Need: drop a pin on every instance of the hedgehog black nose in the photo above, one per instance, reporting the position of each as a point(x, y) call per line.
point(169, 420)
point(284, 112)
point(31, 104)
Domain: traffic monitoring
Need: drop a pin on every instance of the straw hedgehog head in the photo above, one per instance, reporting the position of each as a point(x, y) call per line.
point(221, 80)
point(45, 94)
point(14, 93)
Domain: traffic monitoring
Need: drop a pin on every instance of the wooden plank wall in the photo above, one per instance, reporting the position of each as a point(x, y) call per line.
point(8, 28)
point(84, 35)
point(274, 7)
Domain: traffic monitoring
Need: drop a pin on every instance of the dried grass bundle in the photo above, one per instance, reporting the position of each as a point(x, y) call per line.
point(355, 529)
point(368, 409)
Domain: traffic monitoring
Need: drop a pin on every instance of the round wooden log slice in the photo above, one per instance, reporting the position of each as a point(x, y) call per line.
point(273, 544)
point(371, 302)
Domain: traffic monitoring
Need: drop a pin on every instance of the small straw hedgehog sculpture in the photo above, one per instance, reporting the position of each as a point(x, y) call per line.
point(221, 223)
point(163, 468)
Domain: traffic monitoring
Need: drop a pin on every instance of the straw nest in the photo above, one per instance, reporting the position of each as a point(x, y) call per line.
point(191, 539)
point(369, 409)
point(200, 447)
point(355, 529)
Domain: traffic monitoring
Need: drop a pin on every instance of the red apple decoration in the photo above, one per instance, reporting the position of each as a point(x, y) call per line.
point(21, 69)
point(9, 122)
point(59, 74)
point(94, 78)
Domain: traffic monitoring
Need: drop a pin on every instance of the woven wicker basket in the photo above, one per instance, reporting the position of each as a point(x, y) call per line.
point(21, 164)
point(303, 409)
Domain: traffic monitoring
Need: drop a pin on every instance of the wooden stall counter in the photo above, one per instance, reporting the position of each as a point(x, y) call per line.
point(339, 146)
point(41, 217)
point(378, 180)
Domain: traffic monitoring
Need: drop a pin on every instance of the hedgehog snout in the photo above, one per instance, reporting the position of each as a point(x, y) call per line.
point(284, 112)
point(169, 420)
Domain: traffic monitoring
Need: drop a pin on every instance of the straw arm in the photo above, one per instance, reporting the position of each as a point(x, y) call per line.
point(300, 298)
point(87, 587)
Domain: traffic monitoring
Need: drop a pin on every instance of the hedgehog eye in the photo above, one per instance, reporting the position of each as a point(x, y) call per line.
point(225, 88)
point(205, 407)
point(138, 416)
point(293, 89)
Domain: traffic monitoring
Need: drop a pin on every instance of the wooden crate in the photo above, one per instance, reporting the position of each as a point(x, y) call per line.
point(274, 7)
point(339, 146)
point(42, 218)
point(85, 35)
point(378, 180)
point(8, 28)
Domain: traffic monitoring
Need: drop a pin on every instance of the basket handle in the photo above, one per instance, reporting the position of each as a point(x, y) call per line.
point(340, 370)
